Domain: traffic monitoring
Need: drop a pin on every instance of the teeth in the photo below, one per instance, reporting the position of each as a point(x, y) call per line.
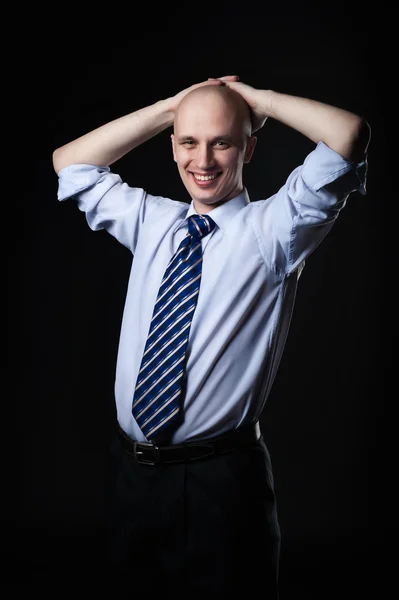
point(204, 177)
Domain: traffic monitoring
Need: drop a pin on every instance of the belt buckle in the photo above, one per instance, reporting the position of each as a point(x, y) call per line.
point(157, 457)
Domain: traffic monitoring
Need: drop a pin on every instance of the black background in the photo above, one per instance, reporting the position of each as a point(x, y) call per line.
point(327, 421)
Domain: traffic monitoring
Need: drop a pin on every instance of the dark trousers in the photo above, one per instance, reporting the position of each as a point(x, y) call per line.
point(206, 529)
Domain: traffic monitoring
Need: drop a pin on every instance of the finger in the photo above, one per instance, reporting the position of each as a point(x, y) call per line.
point(224, 78)
point(211, 81)
point(229, 78)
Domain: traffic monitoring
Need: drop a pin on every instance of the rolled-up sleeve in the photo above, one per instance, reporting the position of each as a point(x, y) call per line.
point(293, 222)
point(107, 201)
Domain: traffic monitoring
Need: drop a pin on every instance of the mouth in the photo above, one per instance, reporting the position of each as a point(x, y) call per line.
point(207, 180)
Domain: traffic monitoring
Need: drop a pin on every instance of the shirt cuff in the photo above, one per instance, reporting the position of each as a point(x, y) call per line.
point(326, 160)
point(74, 179)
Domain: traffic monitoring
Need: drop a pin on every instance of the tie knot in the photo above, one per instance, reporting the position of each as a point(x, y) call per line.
point(200, 225)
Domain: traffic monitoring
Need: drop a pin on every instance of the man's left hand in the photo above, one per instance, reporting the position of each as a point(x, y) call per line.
point(257, 100)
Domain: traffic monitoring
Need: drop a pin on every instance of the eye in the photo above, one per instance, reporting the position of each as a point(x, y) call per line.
point(188, 143)
point(220, 144)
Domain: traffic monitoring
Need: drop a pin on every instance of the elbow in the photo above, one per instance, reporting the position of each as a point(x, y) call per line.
point(359, 140)
point(57, 160)
point(62, 157)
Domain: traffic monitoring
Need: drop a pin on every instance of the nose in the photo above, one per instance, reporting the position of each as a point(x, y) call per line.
point(205, 158)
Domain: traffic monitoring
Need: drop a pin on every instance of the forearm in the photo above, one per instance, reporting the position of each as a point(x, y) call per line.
point(108, 143)
point(343, 131)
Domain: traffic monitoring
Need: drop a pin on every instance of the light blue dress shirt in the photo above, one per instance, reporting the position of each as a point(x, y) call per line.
point(251, 266)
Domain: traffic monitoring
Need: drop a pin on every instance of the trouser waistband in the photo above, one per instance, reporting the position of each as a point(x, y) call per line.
point(152, 454)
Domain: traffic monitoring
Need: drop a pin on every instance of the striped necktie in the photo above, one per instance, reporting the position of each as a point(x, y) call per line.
point(157, 397)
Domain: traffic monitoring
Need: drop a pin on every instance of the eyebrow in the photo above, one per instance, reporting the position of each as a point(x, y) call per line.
point(184, 138)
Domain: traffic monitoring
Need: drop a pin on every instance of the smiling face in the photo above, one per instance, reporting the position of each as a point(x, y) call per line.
point(211, 142)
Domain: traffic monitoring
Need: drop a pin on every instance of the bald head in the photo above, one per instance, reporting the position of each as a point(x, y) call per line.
point(211, 142)
point(211, 100)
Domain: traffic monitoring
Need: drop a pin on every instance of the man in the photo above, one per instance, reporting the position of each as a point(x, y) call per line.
point(211, 291)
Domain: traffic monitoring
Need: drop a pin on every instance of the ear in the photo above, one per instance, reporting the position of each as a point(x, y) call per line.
point(250, 148)
point(172, 137)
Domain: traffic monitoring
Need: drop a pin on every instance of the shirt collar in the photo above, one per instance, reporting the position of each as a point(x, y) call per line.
point(222, 214)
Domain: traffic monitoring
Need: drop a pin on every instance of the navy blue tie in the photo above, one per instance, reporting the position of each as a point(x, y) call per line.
point(157, 401)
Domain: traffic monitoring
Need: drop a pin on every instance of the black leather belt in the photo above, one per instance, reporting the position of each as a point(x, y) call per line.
point(151, 454)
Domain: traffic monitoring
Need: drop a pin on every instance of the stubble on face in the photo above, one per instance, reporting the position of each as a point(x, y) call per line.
point(205, 114)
